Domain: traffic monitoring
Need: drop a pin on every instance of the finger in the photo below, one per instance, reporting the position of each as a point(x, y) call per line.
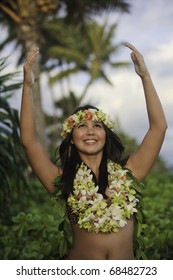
point(31, 58)
point(34, 50)
point(133, 57)
point(131, 47)
point(29, 64)
point(34, 46)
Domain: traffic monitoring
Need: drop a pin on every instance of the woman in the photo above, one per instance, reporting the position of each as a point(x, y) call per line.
point(99, 187)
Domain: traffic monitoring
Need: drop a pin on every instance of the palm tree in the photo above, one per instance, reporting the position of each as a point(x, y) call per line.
point(89, 52)
point(78, 10)
point(24, 20)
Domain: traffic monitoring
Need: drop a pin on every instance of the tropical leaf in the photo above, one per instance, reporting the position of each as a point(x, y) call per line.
point(66, 54)
point(13, 160)
point(62, 74)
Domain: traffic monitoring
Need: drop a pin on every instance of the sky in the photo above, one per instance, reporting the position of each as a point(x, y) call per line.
point(148, 26)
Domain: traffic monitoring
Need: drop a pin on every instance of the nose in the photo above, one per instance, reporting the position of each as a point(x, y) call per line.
point(90, 130)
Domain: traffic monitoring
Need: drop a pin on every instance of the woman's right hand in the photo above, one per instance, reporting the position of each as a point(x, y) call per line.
point(27, 68)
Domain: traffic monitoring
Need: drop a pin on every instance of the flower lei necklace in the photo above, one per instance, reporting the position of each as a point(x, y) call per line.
point(95, 213)
point(85, 115)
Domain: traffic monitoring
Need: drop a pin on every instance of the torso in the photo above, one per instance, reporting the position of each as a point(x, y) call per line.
point(100, 246)
point(115, 245)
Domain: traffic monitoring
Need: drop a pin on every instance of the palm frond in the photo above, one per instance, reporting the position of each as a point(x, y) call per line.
point(65, 54)
point(63, 74)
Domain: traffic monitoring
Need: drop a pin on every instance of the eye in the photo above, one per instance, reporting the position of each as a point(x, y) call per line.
point(98, 125)
point(81, 125)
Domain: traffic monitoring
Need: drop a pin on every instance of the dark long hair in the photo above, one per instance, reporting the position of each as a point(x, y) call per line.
point(69, 157)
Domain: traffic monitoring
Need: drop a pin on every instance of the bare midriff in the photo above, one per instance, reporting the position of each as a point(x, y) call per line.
point(100, 246)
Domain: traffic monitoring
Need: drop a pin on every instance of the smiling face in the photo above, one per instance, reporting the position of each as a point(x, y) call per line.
point(89, 137)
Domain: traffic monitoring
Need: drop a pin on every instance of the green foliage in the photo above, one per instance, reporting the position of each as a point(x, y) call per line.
point(27, 230)
point(158, 210)
point(7, 80)
point(77, 10)
point(88, 50)
point(36, 234)
point(13, 162)
point(42, 231)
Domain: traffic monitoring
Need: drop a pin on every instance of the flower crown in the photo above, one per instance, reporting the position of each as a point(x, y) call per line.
point(85, 115)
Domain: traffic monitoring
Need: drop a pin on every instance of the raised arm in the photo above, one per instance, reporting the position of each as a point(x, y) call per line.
point(43, 168)
point(141, 162)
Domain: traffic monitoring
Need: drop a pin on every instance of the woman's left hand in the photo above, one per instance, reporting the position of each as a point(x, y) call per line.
point(138, 61)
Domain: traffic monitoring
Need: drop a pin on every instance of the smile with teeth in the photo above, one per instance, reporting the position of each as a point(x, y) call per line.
point(90, 141)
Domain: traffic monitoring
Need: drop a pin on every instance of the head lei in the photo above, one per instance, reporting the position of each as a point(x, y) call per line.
point(85, 115)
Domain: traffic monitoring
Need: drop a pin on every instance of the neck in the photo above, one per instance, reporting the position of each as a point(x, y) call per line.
point(93, 162)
